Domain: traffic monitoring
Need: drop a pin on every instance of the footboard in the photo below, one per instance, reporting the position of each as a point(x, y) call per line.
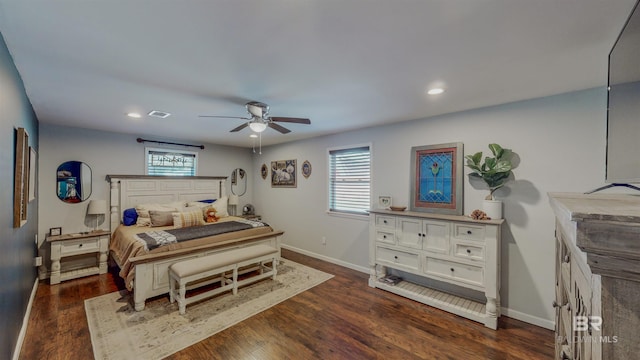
point(152, 271)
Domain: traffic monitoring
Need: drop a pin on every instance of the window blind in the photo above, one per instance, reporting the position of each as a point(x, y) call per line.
point(350, 180)
point(171, 163)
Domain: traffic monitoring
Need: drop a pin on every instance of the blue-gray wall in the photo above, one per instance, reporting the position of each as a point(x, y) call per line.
point(17, 275)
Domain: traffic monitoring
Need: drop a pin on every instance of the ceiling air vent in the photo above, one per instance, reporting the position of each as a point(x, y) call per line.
point(159, 114)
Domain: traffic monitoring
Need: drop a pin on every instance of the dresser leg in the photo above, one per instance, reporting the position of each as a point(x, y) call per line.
point(55, 272)
point(492, 314)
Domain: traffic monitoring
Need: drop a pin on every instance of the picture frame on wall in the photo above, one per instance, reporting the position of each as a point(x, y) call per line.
point(21, 178)
point(283, 173)
point(264, 171)
point(306, 169)
point(436, 178)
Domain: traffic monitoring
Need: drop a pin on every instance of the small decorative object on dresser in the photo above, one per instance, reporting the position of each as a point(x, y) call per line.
point(384, 202)
point(55, 231)
point(456, 250)
point(495, 172)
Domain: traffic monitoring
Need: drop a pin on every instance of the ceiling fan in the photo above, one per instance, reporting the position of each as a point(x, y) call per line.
point(259, 119)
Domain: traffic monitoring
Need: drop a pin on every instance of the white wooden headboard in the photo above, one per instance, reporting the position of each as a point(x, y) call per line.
point(129, 190)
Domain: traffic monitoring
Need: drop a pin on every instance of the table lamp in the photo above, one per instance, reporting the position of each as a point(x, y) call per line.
point(233, 202)
point(97, 208)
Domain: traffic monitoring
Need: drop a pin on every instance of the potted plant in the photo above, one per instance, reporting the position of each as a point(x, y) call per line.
point(495, 172)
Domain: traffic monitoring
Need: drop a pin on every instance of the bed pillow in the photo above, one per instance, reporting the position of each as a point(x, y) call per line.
point(143, 211)
point(197, 204)
point(183, 219)
point(129, 217)
point(161, 218)
point(221, 207)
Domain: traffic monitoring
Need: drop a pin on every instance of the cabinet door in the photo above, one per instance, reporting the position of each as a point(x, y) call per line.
point(436, 237)
point(410, 232)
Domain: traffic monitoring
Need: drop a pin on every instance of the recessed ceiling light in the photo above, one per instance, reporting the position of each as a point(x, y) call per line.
point(435, 91)
point(253, 136)
point(134, 115)
point(159, 114)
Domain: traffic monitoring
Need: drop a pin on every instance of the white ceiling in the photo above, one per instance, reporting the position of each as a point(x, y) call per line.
point(344, 64)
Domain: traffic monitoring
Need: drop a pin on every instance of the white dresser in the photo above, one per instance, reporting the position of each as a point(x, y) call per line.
point(597, 276)
point(452, 249)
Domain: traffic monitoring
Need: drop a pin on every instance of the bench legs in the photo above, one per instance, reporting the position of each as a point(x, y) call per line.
point(178, 285)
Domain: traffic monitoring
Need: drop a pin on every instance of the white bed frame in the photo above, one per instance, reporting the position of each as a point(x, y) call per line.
point(151, 271)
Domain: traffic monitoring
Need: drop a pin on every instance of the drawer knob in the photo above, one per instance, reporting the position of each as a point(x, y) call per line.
point(419, 234)
point(452, 269)
point(468, 251)
point(395, 257)
point(566, 259)
point(80, 245)
point(384, 221)
point(384, 236)
point(469, 232)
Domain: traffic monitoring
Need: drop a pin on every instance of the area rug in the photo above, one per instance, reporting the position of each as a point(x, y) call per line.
point(120, 332)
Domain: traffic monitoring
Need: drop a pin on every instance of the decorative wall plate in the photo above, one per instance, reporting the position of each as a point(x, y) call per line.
point(264, 171)
point(306, 168)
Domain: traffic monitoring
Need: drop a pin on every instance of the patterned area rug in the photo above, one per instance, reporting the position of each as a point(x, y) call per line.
point(120, 332)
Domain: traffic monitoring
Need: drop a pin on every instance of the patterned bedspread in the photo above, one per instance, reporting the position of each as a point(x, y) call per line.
point(156, 238)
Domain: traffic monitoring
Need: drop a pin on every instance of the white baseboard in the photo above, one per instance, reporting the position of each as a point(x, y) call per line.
point(530, 319)
point(327, 259)
point(25, 322)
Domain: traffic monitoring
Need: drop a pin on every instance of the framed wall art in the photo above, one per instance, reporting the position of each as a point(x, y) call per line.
point(436, 178)
point(306, 169)
point(283, 173)
point(264, 171)
point(21, 178)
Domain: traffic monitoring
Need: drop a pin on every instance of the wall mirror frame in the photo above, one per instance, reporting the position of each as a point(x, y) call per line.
point(238, 182)
point(73, 182)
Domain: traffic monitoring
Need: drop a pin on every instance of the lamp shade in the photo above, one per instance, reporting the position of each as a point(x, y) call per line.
point(233, 199)
point(97, 207)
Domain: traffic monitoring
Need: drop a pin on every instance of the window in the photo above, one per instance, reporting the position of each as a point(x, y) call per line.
point(350, 180)
point(170, 162)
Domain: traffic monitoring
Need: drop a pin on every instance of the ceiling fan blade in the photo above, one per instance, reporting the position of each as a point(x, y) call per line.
point(240, 127)
point(279, 128)
point(291, 120)
point(228, 117)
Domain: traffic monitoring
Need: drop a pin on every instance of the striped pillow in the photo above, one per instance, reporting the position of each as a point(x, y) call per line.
point(187, 218)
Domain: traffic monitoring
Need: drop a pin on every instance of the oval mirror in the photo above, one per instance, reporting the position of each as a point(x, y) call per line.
point(238, 182)
point(73, 182)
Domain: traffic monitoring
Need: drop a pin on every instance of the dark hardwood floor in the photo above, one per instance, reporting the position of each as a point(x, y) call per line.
point(342, 318)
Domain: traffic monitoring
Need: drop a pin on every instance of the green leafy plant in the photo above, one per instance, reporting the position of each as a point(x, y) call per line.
point(495, 171)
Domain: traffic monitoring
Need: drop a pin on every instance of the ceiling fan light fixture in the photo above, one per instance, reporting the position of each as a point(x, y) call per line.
point(257, 126)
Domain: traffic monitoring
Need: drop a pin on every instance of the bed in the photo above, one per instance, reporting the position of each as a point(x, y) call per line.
point(146, 271)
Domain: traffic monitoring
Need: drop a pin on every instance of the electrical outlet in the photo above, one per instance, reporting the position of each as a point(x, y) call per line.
point(324, 240)
point(37, 261)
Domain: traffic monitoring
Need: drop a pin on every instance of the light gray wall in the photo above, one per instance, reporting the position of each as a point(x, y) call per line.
point(116, 154)
point(560, 141)
point(17, 274)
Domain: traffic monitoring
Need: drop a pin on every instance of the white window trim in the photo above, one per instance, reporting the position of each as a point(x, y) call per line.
point(362, 217)
point(168, 150)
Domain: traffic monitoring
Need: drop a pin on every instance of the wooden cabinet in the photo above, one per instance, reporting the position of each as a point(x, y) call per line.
point(452, 249)
point(68, 250)
point(597, 285)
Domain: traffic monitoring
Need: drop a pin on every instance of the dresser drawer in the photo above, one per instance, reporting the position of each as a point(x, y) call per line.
point(456, 271)
point(385, 221)
point(468, 232)
point(398, 258)
point(468, 251)
point(80, 246)
point(385, 236)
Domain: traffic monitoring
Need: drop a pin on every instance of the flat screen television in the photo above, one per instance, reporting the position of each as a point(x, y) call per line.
point(623, 105)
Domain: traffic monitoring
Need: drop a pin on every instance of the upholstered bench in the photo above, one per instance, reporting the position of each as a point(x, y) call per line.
point(194, 270)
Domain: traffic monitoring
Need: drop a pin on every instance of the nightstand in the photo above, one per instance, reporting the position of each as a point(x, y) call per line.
point(69, 247)
point(251, 217)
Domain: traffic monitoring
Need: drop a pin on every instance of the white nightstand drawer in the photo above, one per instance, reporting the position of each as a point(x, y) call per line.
point(80, 246)
point(388, 237)
point(398, 258)
point(385, 221)
point(468, 232)
point(456, 271)
point(466, 251)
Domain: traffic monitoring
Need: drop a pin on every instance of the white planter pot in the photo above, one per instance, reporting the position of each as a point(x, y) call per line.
point(493, 209)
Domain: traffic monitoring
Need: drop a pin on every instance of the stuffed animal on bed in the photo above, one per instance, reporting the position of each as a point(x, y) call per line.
point(210, 215)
